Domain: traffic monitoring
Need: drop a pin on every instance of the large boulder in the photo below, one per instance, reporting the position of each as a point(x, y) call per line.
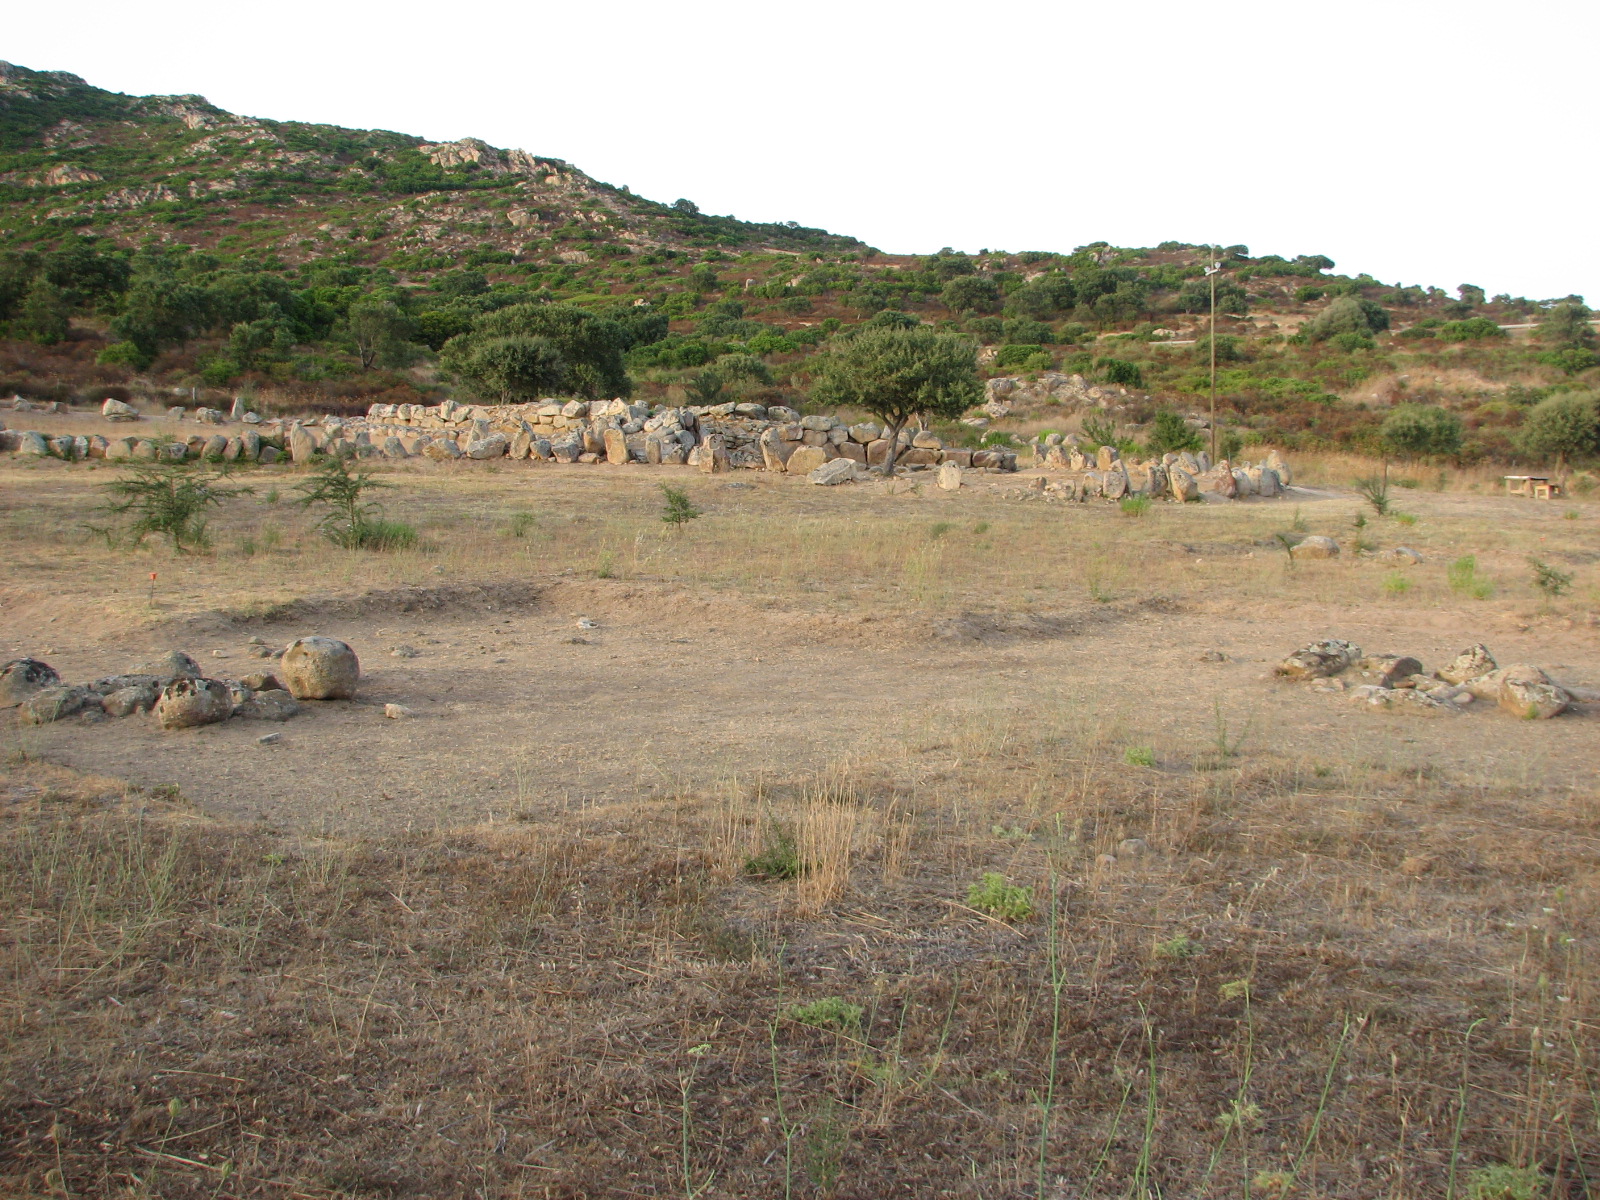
point(1392, 670)
point(321, 668)
point(1319, 660)
point(714, 458)
point(1471, 663)
point(135, 698)
point(186, 703)
point(950, 476)
point(616, 446)
point(174, 664)
point(55, 704)
point(302, 444)
point(1528, 692)
point(840, 470)
point(22, 677)
point(273, 704)
point(1315, 546)
point(491, 445)
point(806, 459)
point(116, 410)
point(1183, 485)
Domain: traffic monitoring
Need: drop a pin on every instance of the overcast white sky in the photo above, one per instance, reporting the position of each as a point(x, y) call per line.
point(1422, 142)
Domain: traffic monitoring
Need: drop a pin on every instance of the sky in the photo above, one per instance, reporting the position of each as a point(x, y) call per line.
point(1418, 142)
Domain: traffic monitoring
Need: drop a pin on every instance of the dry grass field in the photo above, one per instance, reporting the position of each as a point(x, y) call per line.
point(866, 841)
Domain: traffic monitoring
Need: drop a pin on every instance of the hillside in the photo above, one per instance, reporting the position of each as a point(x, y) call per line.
point(157, 242)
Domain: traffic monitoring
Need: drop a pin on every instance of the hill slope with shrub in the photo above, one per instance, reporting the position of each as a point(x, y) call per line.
point(151, 243)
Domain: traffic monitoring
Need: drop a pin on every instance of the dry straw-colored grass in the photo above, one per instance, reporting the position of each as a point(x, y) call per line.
point(1320, 974)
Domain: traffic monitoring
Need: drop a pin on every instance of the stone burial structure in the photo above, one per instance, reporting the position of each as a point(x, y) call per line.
point(1100, 472)
point(1398, 681)
point(179, 695)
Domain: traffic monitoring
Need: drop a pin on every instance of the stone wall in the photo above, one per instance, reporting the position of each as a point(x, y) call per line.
point(716, 437)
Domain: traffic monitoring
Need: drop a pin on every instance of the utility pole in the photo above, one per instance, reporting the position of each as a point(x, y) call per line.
point(1212, 268)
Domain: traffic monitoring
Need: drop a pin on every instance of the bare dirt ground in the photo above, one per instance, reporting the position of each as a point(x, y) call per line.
point(512, 946)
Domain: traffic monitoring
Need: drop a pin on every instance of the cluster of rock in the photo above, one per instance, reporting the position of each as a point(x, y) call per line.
point(178, 692)
point(1398, 681)
point(1101, 472)
point(1010, 392)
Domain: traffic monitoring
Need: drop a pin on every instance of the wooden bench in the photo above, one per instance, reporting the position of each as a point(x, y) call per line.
point(1535, 487)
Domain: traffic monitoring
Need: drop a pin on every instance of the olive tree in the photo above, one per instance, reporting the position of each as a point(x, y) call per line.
point(897, 373)
point(1563, 426)
point(1347, 314)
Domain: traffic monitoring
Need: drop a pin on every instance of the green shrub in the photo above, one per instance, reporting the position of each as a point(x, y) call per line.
point(831, 1012)
point(1473, 329)
point(1503, 1182)
point(678, 510)
point(1463, 577)
point(1351, 341)
point(1548, 579)
point(993, 895)
point(778, 859)
point(1396, 583)
point(1139, 756)
point(1347, 314)
point(1116, 370)
point(1170, 433)
point(1421, 431)
point(1134, 506)
point(123, 354)
point(1016, 356)
point(350, 521)
point(1182, 946)
point(169, 501)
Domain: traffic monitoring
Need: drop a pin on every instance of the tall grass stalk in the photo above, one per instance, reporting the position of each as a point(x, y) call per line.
point(1461, 1109)
point(1058, 982)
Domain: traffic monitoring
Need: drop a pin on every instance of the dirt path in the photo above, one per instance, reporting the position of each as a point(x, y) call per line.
point(515, 716)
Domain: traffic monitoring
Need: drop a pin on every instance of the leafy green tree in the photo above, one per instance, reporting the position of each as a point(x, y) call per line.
point(248, 341)
point(160, 309)
point(588, 346)
point(1566, 326)
point(16, 275)
point(1470, 293)
point(44, 314)
point(438, 325)
point(1043, 298)
point(509, 369)
point(379, 330)
point(1563, 426)
point(897, 373)
point(1421, 431)
point(1347, 314)
point(971, 294)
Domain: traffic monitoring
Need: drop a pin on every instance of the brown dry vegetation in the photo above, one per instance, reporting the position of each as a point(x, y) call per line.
point(1350, 962)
